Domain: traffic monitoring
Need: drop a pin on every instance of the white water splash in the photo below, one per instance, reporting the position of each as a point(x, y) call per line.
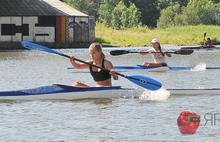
point(160, 95)
point(199, 87)
point(130, 93)
point(199, 67)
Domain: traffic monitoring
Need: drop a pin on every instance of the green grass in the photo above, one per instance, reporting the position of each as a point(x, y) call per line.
point(141, 36)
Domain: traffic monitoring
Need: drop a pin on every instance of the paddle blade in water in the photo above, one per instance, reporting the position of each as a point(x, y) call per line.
point(144, 81)
point(118, 52)
point(184, 51)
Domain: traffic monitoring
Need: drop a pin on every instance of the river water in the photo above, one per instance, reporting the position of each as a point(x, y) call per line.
point(151, 118)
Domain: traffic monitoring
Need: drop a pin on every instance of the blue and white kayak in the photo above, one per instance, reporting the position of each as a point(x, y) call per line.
point(63, 92)
point(143, 68)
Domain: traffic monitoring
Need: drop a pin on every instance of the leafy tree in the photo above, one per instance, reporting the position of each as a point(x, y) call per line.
point(216, 1)
point(123, 17)
point(201, 12)
point(105, 11)
point(117, 14)
point(162, 4)
point(149, 11)
point(196, 12)
point(168, 16)
point(89, 7)
point(134, 16)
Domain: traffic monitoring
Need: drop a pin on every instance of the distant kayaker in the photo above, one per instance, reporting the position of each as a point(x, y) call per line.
point(100, 76)
point(208, 42)
point(159, 58)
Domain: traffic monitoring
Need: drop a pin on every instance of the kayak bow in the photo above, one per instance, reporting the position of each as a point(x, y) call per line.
point(63, 92)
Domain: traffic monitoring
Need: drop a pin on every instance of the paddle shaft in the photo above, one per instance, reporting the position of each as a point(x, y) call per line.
point(122, 75)
point(150, 52)
point(180, 51)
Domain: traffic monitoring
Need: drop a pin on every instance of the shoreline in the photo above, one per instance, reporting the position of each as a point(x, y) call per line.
point(17, 45)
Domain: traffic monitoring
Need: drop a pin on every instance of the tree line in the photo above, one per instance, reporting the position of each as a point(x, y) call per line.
point(120, 14)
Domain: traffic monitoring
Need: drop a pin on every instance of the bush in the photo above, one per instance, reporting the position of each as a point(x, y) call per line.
point(197, 12)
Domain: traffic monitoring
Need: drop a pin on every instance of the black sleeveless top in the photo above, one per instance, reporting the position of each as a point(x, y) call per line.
point(101, 75)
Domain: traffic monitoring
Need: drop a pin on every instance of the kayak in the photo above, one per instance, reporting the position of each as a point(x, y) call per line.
point(141, 68)
point(63, 92)
point(198, 47)
point(66, 92)
point(194, 91)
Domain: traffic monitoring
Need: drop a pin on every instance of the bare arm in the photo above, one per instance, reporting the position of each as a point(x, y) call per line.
point(108, 65)
point(78, 65)
point(144, 53)
point(168, 54)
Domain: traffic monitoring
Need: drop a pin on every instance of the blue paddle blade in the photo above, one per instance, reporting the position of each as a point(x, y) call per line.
point(30, 45)
point(144, 81)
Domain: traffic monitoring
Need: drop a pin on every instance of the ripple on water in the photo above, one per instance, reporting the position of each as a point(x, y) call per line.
point(151, 117)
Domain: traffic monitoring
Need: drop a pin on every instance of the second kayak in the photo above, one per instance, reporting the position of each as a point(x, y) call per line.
point(141, 68)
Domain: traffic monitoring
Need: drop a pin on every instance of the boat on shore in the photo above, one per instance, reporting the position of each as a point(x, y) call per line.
point(198, 47)
point(63, 92)
point(142, 68)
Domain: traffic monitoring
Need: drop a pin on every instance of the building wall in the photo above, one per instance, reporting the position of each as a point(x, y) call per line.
point(47, 29)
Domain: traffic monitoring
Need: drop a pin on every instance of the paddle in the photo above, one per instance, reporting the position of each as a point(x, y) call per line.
point(204, 39)
point(180, 51)
point(143, 81)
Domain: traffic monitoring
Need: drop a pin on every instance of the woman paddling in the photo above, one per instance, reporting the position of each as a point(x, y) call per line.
point(100, 76)
point(159, 58)
point(208, 43)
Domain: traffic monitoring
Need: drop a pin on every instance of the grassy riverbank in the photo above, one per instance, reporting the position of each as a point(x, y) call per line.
point(178, 36)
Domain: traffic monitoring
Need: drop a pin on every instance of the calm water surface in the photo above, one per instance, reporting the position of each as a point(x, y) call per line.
point(151, 118)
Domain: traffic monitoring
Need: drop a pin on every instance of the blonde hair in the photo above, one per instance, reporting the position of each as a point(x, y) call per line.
point(98, 47)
